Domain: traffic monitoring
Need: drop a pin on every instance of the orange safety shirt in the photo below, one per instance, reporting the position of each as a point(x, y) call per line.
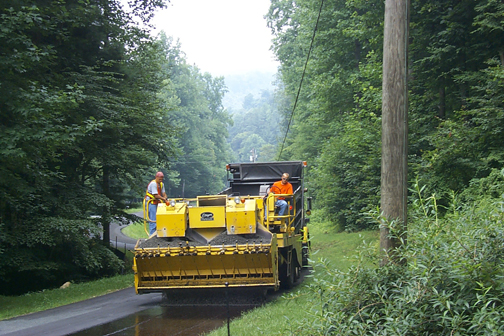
point(279, 188)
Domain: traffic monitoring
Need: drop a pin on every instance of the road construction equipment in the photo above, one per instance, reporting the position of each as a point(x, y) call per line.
point(234, 238)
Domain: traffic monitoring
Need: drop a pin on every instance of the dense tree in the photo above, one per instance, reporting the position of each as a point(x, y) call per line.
point(78, 88)
point(456, 86)
point(202, 122)
point(456, 62)
point(90, 106)
point(255, 128)
point(335, 124)
point(242, 85)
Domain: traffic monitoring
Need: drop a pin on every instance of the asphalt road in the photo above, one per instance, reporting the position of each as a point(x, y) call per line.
point(126, 313)
point(118, 239)
point(80, 315)
point(86, 314)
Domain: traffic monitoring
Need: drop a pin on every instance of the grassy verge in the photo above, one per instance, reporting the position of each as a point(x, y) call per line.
point(282, 314)
point(134, 210)
point(135, 230)
point(335, 247)
point(12, 306)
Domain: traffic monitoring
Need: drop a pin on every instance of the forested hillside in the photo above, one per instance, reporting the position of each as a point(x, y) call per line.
point(201, 121)
point(447, 277)
point(241, 85)
point(256, 128)
point(91, 106)
point(456, 97)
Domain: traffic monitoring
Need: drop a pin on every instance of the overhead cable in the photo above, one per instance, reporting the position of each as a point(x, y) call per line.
point(301, 82)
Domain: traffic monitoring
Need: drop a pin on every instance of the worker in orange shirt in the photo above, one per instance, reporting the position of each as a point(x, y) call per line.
point(282, 187)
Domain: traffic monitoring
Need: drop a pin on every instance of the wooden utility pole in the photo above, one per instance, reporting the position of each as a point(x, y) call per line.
point(394, 124)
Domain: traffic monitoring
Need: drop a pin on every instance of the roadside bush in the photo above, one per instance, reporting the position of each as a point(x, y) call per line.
point(44, 254)
point(452, 283)
point(346, 176)
point(491, 186)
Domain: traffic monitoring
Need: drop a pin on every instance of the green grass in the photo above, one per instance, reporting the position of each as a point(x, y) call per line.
point(135, 230)
point(12, 306)
point(133, 210)
point(282, 314)
point(338, 248)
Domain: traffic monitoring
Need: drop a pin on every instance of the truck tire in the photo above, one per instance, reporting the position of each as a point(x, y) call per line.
point(305, 255)
point(297, 269)
point(288, 281)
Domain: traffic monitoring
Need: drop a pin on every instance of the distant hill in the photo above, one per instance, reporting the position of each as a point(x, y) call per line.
point(241, 85)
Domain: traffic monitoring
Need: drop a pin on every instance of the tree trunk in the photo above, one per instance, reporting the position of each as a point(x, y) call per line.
point(394, 125)
point(106, 211)
point(442, 103)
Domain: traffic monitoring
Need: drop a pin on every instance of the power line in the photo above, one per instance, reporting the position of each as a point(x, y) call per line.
point(301, 82)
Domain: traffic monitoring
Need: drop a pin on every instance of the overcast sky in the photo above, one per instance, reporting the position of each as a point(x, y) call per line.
point(222, 37)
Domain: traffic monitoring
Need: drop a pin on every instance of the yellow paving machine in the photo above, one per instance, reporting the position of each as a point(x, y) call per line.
point(234, 238)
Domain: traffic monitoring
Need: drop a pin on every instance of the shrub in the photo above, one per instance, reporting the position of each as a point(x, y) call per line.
point(46, 253)
point(452, 283)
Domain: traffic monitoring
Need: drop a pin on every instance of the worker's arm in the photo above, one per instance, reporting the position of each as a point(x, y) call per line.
point(274, 189)
point(287, 190)
point(163, 196)
point(159, 197)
